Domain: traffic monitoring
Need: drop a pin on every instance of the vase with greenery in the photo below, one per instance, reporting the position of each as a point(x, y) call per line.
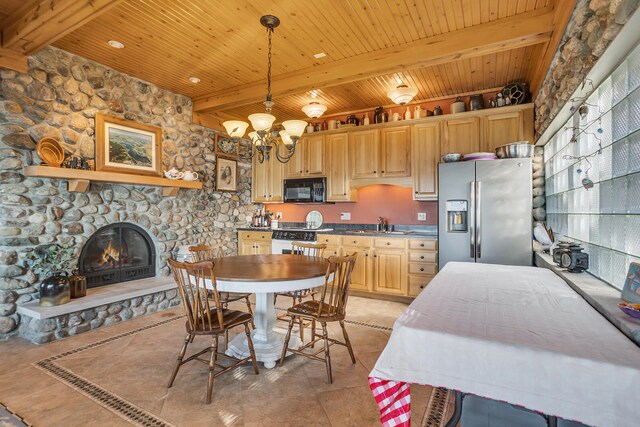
point(52, 262)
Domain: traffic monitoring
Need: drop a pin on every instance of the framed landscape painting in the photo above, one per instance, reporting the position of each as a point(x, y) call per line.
point(226, 174)
point(128, 147)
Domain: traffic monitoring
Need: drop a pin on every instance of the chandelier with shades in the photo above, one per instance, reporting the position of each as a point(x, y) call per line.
point(265, 136)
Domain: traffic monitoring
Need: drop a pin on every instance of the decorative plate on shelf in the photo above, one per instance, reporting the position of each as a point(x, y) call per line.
point(50, 152)
point(226, 146)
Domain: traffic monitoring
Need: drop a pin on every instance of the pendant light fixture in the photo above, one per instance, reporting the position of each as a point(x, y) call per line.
point(402, 94)
point(264, 138)
point(314, 109)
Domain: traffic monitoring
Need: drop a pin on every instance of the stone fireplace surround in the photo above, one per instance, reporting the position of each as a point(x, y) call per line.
point(59, 97)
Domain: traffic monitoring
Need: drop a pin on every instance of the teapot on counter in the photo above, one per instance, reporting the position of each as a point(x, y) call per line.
point(189, 176)
point(173, 174)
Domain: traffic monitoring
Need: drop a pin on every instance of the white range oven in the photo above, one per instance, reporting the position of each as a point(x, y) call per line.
point(281, 239)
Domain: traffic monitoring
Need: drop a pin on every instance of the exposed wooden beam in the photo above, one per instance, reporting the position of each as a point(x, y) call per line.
point(38, 23)
point(13, 60)
point(504, 34)
point(562, 11)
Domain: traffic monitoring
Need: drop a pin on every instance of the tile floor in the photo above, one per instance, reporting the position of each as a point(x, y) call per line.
point(76, 382)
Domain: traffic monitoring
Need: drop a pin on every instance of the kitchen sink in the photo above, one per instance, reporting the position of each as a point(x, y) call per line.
point(381, 232)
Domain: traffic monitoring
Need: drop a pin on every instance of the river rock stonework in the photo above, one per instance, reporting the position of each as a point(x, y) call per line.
point(59, 97)
point(45, 330)
point(592, 27)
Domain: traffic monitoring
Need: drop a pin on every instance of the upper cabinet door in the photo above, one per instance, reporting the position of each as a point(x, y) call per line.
point(315, 164)
point(260, 181)
point(275, 187)
point(461, 136)
point(295, 166)
point(501, 129)
point(364, 149)
point(425, 148)
point(395, 151)
point(338, 179)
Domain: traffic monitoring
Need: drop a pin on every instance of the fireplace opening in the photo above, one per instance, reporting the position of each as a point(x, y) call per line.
point(117, 253)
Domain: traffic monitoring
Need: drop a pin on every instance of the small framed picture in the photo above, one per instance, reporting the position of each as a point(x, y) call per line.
point(128, 147)
point(225, 146)
point(631, 289)
point(226, 174)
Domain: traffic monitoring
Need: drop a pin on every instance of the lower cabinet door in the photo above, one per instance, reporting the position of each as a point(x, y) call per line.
point(332, 250)
point(361, 276)
point(263, 248)
point(246, 247)
point(390, 271)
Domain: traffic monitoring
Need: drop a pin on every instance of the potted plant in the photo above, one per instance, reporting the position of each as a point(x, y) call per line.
point(51, 262)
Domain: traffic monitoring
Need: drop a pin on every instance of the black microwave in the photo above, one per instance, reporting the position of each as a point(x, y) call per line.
point(305, 190)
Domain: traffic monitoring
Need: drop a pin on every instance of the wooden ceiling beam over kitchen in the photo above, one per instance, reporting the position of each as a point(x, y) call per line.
point(496, 36)
point(38, 23)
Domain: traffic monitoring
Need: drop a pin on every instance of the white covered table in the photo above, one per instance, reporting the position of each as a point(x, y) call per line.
point(263, 275)
point(520, 335)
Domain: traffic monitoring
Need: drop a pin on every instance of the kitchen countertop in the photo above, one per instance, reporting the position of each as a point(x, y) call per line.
point(367, 233)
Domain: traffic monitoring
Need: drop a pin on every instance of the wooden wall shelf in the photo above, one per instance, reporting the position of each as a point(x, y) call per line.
point(79, 180)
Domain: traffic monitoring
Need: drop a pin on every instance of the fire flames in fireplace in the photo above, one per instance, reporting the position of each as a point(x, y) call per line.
point(110, 256)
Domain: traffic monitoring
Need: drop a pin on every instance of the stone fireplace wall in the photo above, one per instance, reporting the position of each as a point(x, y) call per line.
point(59, 97)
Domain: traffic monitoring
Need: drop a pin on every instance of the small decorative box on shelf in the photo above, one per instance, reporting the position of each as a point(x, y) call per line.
point(79, 180)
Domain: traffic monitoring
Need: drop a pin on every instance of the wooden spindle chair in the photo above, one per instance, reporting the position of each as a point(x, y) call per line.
point(302, 249)
point(207, 317)
point(211, 253)
point(331, 307)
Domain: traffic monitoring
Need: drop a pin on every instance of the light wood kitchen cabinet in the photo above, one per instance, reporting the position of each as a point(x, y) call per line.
point(461, 135)
point(338, 177)
point(395, 151)
point(332, 250)
point(364, 153)
point(423, 264)
point(390, 271)
point(308, 159)
point(362, 274)
point(267, 180)
point(254, 242)
point(501, 129)
point(425, 146)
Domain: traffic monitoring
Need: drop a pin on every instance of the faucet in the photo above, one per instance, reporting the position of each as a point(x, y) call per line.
point(383, 225)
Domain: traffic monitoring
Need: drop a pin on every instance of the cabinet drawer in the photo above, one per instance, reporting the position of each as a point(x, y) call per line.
point(255, 235)
point(426, 244)
point(417, 284)
point(329, 239)
point(357, 241)
point(422, 268)
point(385, 242)
point(423, 256)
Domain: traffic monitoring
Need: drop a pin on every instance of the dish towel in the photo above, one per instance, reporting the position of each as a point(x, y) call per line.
point(394, 400)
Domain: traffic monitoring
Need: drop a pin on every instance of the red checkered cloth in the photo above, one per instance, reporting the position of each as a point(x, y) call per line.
point(394, 401)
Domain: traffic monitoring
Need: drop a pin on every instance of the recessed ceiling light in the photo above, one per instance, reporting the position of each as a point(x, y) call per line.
point(194, 80)
point(116, 44)
point(319, 55)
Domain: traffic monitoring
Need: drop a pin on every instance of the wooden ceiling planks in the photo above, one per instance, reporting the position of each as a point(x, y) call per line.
point(464, 76)
point(223, 44)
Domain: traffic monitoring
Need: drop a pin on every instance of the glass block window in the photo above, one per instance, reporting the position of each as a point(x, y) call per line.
point(605, 219)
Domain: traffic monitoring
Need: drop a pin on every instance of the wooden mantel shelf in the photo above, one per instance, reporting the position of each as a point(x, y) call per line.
point(79, 180)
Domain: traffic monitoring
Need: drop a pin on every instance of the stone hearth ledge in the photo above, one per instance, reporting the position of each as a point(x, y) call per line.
point(102, 306)
point(102, 295)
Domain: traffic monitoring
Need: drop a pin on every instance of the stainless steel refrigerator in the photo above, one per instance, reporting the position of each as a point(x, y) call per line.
point(484, 212)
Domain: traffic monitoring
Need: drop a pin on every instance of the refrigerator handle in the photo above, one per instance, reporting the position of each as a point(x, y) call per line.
point(479, 219)
point(472, 221)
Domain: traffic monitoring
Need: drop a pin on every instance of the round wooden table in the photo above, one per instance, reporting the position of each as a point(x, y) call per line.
point(263, 275)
